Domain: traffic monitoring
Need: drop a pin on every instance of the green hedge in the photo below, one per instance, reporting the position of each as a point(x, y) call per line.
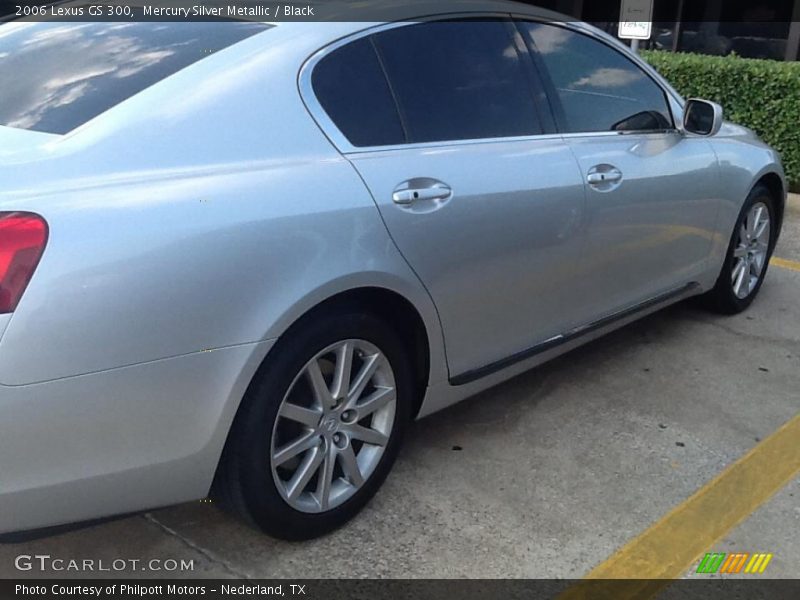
point(763, 95)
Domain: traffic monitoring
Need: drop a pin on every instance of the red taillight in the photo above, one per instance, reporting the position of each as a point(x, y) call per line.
point(23, 237)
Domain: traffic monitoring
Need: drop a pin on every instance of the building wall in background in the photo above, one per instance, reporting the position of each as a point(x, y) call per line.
point(750, 28)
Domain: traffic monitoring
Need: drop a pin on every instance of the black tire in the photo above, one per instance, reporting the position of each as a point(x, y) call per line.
point(721, 298)
point(244, 480)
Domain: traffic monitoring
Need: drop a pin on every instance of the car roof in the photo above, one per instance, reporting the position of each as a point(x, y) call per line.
point(339, 18)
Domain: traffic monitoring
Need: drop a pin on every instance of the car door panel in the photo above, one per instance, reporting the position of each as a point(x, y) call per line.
point(485, 208)
point(498, 255)
point(480, 194)
point(651, 191)
point(652, 230)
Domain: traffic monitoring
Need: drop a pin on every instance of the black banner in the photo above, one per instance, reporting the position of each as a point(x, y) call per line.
point(751, 588)
point(607, 11)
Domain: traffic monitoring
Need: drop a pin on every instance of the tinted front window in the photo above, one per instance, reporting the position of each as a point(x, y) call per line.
point(599, 89)
point(458, 80)
point(351, 87)
point(56, 76)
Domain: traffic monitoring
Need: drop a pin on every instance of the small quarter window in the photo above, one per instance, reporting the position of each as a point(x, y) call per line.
point(351, 87)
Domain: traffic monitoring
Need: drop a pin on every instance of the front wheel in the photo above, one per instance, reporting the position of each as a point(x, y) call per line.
point(748, 255)
point(320, 426)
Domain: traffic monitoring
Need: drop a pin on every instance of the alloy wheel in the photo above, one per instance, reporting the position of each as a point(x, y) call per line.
point(333, 426)
point(751, 251)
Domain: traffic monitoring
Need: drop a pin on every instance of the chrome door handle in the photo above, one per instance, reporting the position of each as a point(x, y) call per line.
point(607, 177)
point(410, 195)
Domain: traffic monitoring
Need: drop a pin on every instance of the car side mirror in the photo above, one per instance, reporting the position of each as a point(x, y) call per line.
point(702, 117)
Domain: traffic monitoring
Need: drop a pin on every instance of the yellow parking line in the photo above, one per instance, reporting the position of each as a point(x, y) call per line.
point(673, 544)
point(785, 264)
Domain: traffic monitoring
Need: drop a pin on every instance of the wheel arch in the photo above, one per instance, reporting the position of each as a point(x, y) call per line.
point(774, 183)
point(389, 304)
point(407, 309)
point(398, 311)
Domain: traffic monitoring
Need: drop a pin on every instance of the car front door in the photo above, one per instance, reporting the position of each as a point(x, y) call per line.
point(444, 123)
point(651, 191)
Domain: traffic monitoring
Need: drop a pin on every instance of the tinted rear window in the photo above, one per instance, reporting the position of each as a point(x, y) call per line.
point(458, 80)
point(56, 76)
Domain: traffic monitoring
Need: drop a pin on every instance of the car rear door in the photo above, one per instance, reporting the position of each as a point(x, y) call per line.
point(450, 130)
point(651, 191)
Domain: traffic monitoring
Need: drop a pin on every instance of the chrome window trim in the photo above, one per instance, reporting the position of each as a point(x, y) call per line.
point(356, 151)
point(343, 145)
point(449, 143)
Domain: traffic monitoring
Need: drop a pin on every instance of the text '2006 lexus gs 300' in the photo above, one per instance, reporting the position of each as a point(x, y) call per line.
point(246, 271)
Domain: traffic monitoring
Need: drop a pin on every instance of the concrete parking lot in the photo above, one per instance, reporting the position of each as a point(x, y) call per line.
point(545, 476)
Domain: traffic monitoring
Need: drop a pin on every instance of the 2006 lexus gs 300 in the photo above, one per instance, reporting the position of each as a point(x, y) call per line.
point(246, 271)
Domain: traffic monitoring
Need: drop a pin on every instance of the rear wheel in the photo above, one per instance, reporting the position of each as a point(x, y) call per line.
point(748, 255)
point(320, 426)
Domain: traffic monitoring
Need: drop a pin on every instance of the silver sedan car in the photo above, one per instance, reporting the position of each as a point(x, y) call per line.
point(240, 258)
